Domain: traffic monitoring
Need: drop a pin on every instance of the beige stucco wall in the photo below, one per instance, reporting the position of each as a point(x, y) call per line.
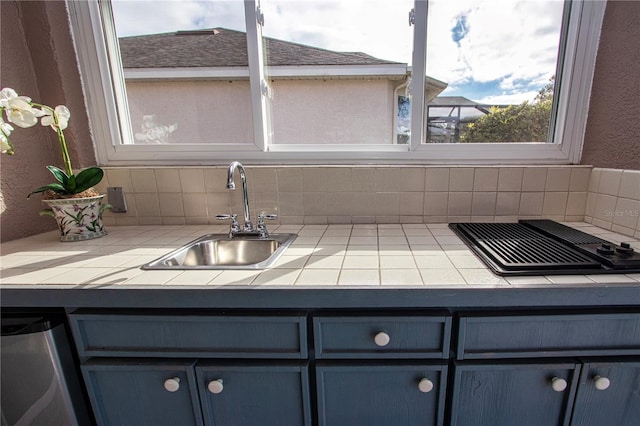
point(342, 111)
point(206, 111)
point(38, 60)
point(612, 138)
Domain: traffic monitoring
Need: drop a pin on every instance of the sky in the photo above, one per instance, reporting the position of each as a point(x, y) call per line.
point(490, 51)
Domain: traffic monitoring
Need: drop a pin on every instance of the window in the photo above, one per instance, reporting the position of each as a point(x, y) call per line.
point(201, 82)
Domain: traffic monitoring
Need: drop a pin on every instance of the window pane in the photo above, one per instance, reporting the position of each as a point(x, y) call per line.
point(338, 70)
point(186, 72)
point(499, 59)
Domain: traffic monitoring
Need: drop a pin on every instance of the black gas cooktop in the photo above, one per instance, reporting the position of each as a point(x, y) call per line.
point(545, 247)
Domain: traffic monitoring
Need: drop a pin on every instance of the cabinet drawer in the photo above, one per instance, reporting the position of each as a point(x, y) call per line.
point(382, 337)
point(212, 336)
point(548, 335)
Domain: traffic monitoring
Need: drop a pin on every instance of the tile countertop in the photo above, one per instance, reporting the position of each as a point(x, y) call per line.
point(350, 256)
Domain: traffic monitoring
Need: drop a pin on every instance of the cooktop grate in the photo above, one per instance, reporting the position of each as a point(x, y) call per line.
point(511, 248)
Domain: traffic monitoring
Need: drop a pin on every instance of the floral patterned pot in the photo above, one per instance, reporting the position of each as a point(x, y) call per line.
point(78, 218)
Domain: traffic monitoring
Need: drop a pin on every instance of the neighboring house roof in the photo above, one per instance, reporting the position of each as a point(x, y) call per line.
point(458, 101)
point(221, 47)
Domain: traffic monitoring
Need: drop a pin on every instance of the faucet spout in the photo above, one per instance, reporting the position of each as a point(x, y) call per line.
point(248, 226)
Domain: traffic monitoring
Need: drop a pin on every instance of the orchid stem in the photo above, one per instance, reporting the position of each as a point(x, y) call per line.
point(63, 143)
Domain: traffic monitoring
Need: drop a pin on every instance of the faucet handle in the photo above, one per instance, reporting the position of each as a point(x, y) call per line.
point(235, 226)
point(261, 226)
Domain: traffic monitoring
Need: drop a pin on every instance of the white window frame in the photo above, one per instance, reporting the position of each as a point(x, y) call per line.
point(104, 88)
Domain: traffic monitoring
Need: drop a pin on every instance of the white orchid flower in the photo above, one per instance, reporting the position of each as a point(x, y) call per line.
point(5, 146)
point(18, 108)
point(63, 114)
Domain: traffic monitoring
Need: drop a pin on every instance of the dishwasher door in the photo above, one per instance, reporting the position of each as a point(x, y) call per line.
point(40, 383)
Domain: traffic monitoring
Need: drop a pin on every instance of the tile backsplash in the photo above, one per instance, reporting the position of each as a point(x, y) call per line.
point(368, 194)
point(613, 200)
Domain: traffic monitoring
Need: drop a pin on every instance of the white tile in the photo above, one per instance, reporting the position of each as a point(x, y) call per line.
point(534, 179)
point(569, 279)
point(555, 203)
point(483, 204)
point(152, 277)
point(436, 179)
point(459, 204)
point(397, 262)
point(360, 262)
point(531, 203)
point(446, 276)
point(448, 240)
point(461, 179)
point(610, 181)
point(400, 277)
point(435, 203)
point(558, 179)
point(359, 277)
point(433, 262)
point(290, 262)
point(143, 180)
point(318, 277)
point(594, 180)
point(523, 281)
point(485, 179)
point(191, 180)
point(507, 203)
point(466, 261)
point(580, 179)
point(611, 278)
point(576, 204)
point(277, 277)
point(482, 277)
point(194, 278)
point(627, 213)
point(630, 184)
point(510, 179)
point(324, 262)
point(234, 278)
point(358, 250)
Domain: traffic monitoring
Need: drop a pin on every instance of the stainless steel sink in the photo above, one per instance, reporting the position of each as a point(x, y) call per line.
point(218, 251)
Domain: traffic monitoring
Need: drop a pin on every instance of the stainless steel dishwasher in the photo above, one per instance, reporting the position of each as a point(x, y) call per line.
point(39, 382)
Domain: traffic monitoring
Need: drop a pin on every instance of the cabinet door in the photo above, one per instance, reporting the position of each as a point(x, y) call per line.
point(139, 394)
point(513, 394)
point(250, 395)
point(381, 395)
point(608, 394)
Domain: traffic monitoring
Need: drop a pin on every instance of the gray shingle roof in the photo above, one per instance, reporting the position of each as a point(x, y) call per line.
point(221, 47)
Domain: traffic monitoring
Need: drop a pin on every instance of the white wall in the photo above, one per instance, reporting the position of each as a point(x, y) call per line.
point(342, 111)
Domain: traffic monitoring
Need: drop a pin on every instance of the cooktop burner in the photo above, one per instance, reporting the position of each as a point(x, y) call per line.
point(541, 247)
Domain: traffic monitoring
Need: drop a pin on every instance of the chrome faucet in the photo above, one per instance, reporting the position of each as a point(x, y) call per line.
point(248, 226)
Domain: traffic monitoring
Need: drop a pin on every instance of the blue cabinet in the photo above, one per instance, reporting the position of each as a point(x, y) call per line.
point(608, 394)
point(381, 394)
point(242, 370)
point(249, 395)
point(140, 393)
point(381, 370)
point(513, 394)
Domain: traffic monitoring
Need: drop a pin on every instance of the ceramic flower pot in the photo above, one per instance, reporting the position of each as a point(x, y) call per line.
point(78, 218)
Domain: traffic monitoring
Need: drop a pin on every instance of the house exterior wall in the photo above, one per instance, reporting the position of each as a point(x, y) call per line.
point(340, 112)
point(612, 138)
point(205, 111)
point(214, 111)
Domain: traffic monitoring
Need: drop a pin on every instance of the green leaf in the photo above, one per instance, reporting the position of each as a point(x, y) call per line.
point(88, 178)
point(59, 174)
point(55, 187)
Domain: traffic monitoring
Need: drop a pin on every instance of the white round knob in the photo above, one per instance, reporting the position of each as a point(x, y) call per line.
point(215, 386)
point(601, 383)
point(558, 384)
point(382, 339)
point(172, 385)
point(425, 385)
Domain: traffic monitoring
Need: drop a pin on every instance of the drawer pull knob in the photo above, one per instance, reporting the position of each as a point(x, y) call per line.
point(601, 383)
point(558, 384)
point(382, 339)
point(172, 385)
point(425, 385)
point(215, 386)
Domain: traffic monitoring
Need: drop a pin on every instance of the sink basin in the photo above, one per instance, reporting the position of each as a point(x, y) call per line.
point(218, 251)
